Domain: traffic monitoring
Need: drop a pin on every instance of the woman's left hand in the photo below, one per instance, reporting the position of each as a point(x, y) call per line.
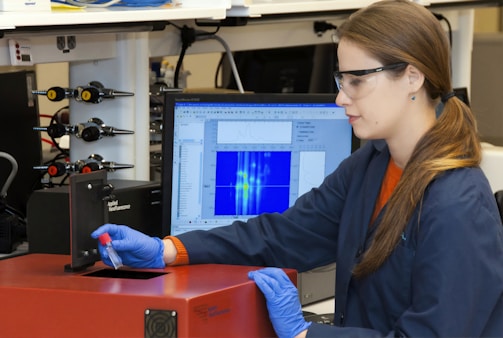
point(282, 301)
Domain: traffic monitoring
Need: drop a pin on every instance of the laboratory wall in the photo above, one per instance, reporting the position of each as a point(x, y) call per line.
point(201, 68)
point(487, 75)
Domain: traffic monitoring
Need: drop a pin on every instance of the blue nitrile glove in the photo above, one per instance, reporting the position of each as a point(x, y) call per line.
point(136, 249)
point(282, 301)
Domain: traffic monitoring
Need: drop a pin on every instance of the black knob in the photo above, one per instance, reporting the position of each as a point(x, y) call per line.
point(90, 94)
point(56, 94)
point(89, 167)
point(56, 130)
point(56, 169)
point(90, 134)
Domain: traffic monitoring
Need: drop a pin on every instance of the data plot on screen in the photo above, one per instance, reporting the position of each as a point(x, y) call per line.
point(311, 170)
point(252, 182)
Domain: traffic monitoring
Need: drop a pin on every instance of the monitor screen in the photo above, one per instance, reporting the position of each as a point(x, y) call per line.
point(229, 157)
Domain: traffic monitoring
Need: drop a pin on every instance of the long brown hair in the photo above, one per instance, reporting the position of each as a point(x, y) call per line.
point(402, 31)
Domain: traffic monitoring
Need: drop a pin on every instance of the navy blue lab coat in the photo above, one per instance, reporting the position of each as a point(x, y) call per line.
point(444, 279)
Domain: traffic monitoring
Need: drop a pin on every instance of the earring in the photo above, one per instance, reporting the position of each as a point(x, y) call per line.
point(413, 98)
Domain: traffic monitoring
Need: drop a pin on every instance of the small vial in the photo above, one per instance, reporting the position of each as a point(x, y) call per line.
point(106, 241)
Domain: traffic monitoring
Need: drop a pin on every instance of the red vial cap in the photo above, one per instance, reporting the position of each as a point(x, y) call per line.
point(105, 238)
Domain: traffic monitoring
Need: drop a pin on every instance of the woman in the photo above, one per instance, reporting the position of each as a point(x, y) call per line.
point(409, 218)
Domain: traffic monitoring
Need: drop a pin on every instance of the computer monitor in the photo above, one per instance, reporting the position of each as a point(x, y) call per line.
point(230, 157)
point(299, 69)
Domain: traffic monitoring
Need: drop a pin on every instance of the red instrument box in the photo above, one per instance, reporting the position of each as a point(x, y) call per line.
point(40, 299)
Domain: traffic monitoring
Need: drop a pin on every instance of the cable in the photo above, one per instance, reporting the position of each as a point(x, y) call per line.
point(45, 115)
point(188, 36)
point(440, 17)
point(321, 27)
point(56, 158)
point(48, 142)
point(217, 72)
point(229, 56)
point(12, 175)
point(179, 66)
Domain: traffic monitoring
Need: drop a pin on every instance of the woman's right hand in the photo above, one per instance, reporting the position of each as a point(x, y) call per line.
point(136, 249)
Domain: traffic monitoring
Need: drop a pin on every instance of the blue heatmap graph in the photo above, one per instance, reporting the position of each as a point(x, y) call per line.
point(252, 182)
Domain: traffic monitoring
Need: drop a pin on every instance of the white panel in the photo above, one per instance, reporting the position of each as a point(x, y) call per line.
point(127, 72)
point(205, 3)
point(262, 7)
point(256, 8)
point(45, 49)
point(487, 84)
point(462, 48)
point(492, 165)
point(141, 65)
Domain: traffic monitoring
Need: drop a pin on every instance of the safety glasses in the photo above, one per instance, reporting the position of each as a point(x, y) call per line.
point(359, 83)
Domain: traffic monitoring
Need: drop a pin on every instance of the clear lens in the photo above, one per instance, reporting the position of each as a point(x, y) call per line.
point(358, 83)
point(355, 87)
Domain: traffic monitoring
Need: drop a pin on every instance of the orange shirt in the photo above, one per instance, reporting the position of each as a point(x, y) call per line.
point(182, 257)
point(390, 180)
